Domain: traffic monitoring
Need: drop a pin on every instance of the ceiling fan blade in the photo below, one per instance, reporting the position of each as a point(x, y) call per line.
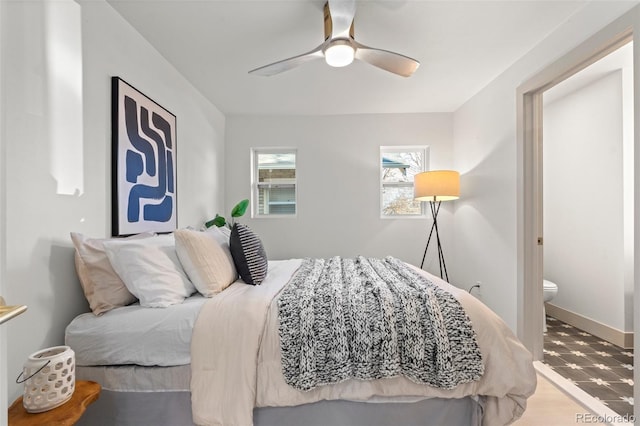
point(290, 63)
point(342, 13)
point(388, 61)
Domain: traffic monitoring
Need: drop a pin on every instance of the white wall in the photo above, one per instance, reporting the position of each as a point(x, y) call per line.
point(57, 61)
point(485, 152)
point(584, 201)
point(338, 183)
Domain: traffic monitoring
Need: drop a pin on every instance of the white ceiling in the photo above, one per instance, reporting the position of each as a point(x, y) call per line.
point(461, 45)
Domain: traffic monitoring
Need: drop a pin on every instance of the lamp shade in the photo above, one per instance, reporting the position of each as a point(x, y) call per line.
point(437, 185)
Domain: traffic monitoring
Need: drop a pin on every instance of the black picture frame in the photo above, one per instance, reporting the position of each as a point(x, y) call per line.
point(143, 163)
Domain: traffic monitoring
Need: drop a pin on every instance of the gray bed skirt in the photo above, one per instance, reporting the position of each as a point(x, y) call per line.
point(159, 396)
point(174, 409)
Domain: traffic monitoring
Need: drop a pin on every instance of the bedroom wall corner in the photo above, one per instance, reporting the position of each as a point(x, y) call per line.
point(59, 58)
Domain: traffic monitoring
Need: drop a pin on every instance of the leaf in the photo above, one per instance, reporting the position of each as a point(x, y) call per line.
point(240, 208)
point(209, 223)
point(219, 221)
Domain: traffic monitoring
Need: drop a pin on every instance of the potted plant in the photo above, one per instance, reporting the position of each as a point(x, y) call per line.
point(237, 211)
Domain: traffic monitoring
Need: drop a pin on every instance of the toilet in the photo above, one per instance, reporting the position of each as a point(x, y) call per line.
point(550, 289)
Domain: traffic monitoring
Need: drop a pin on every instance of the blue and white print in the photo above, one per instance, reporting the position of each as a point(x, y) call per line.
point(145, 152)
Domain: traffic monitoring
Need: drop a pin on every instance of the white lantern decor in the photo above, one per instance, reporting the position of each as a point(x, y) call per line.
point(49, 378)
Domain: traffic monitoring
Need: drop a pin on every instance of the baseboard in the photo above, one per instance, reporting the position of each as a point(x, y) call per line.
point(617, 337)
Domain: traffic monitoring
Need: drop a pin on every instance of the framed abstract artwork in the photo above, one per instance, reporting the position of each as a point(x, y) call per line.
point(143, 163)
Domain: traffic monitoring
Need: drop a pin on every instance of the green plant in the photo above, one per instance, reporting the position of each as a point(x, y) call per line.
point(237, 211)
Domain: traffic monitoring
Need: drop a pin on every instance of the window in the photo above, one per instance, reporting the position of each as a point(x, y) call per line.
point(273, 182)
point(398, 165)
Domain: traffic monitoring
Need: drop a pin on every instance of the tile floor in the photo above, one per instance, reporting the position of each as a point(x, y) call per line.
point(601, 369)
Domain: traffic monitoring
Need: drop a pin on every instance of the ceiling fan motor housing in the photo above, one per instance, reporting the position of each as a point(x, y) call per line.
point(328, 24)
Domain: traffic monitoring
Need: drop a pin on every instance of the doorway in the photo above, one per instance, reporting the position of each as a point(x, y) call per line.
point(530, 203)
point(587, 169)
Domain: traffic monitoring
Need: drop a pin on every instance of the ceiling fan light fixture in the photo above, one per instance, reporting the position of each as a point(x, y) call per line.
point(340, 48)
point(340, 53)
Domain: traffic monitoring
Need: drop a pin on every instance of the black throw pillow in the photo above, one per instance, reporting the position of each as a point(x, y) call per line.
point(248, 254)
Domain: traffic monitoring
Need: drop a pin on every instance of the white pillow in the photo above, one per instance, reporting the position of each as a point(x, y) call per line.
point(206, 259)
point(223, 232)
point(102, 286)
point(151, 270)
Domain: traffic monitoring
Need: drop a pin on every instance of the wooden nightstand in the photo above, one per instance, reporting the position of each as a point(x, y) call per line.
point(65, 415)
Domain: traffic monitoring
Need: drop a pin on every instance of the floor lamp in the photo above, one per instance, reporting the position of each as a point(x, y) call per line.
point(436, 186)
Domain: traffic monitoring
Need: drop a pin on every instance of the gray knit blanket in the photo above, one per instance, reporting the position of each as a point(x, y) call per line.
point(367, 318)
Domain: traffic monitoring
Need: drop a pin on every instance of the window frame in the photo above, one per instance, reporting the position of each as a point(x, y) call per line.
point(386, 149)
point(255, 184)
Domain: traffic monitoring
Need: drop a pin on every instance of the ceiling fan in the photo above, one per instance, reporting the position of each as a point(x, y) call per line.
point(340, 48)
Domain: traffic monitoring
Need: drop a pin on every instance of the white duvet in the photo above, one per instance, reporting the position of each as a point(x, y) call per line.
point(235, 360)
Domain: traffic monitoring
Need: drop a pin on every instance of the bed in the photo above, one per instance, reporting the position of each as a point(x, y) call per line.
point(219, 361)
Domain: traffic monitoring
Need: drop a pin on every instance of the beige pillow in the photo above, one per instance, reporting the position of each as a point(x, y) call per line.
point(206, 260)
point(102, 287)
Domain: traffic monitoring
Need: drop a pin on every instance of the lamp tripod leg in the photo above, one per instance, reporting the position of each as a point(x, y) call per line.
point(443, 266)
point(435, 209)
point(428, 241)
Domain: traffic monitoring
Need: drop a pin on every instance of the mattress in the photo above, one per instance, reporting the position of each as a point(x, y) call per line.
point(135, 335)
point(135, 378)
